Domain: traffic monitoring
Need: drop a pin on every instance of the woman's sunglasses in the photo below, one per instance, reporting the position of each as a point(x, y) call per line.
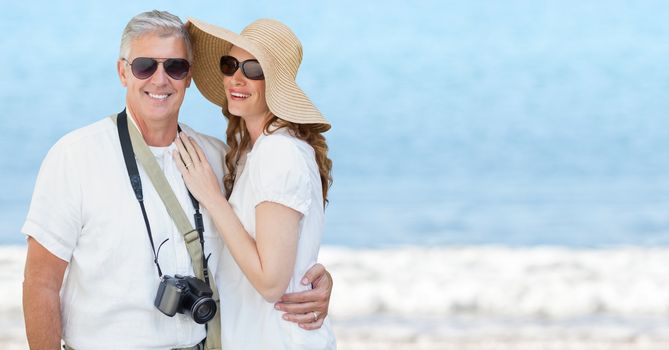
point(250, 68)
point(144, 67)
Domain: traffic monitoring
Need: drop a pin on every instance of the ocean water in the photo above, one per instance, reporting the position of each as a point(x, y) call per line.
point(500, 168)
point(519, 123)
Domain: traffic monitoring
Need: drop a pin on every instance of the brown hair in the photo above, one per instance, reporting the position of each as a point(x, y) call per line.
point(239, 140)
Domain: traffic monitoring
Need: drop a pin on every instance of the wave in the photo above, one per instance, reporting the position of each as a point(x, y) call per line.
point(473, 297)
point(549, 283)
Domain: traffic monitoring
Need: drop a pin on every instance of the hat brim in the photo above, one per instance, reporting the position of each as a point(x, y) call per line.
point(284, 97)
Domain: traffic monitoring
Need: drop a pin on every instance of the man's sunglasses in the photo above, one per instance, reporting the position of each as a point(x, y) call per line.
point(144, 67)
point(250, 68)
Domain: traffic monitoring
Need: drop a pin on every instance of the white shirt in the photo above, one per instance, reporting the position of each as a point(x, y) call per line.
point(85, 212)
point(282, 169)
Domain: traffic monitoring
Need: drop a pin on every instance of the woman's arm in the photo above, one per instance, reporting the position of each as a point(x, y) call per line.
point(267, 261)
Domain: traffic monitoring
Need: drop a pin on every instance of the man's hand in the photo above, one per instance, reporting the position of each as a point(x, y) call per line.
point(309, 308)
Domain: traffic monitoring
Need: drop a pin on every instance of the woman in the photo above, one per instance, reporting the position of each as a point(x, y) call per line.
point(277, 178)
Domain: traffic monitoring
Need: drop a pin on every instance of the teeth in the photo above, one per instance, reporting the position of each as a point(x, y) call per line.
point(237, 94)
point(158, 97)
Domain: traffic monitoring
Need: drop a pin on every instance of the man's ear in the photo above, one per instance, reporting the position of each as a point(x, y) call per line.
point(189, 77)
point(122, 71)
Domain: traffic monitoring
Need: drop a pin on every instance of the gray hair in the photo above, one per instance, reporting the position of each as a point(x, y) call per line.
point(161, 23)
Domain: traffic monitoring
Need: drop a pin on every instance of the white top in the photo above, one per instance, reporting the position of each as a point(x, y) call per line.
point(282, 169)
point(85, 212)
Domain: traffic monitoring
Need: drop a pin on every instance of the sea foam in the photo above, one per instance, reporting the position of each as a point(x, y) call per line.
point(539, 282)
point(474, 297)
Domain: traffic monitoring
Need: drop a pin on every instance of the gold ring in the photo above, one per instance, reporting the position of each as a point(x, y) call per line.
point(315, 316)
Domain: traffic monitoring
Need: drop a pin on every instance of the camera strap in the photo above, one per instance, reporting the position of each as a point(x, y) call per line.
point(193, 237)
point(135, 146)
point(135, 179)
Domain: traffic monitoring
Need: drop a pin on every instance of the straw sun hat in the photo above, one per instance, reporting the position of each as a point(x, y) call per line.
point(279, 53)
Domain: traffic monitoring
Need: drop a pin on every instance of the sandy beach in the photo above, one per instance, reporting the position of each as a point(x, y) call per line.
point(467, 298)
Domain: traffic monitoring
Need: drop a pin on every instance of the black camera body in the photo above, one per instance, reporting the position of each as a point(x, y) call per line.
point(185, 295)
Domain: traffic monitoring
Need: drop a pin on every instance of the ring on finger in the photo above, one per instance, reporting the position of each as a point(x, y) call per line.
point(315, 315)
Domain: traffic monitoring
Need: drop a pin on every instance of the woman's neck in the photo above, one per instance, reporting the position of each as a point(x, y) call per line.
point(256, 125)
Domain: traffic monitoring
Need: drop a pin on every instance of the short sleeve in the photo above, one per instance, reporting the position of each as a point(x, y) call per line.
point(54, 217)
point(280, 174)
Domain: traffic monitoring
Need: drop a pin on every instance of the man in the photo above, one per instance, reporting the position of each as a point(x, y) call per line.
point(85, 219)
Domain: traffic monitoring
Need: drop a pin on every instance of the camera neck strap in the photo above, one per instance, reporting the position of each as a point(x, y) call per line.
point(133, 144)
point(135, 179)
point(134, 147)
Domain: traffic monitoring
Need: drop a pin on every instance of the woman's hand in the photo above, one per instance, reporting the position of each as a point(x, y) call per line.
point(195, 169)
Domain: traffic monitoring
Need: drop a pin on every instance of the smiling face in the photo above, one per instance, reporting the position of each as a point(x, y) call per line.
point(158, 98)
point(246, 97)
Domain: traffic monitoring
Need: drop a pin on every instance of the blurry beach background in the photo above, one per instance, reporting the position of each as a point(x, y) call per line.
point(501, 168)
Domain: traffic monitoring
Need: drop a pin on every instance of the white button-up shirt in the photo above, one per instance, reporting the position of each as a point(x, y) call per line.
point(85, 212)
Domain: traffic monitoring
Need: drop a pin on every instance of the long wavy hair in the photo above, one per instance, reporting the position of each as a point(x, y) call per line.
point(239, 141)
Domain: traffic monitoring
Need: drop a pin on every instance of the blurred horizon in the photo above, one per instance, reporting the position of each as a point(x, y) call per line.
point(519, 123)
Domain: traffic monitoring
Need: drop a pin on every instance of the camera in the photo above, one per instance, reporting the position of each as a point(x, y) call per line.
point(185, 295)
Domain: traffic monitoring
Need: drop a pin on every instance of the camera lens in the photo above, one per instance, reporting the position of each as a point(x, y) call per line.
point(203, 310)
